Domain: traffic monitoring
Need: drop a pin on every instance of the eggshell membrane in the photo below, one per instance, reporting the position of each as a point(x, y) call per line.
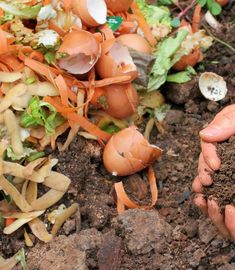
point(118, 5)
point(124, 147)
point(83, 52)
point(122, 100)
point(115, 60)
point(92, 12)
point(136, 42)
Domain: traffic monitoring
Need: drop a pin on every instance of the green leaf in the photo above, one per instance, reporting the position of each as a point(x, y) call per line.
point(35, 156)
point(164, 2)
point(114, 22)
point(30, 80)
point(27, 152)
point(50, 57)
point(40, 113)
point(175, 22)
point(202, 3)
point(21, 11)
point(20, 257)
point(165, 59)
point(182, 77)
point(111, 129)
point(215, 8)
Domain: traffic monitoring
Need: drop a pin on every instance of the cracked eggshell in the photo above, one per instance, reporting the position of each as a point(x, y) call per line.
point(92, 12)
point(136, 42)
point(81, 50)
point(212, 86)
point(128, 152)
point(115, 61)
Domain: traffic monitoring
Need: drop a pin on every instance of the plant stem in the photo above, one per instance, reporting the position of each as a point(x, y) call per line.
point(183, 12)
point(219, 40)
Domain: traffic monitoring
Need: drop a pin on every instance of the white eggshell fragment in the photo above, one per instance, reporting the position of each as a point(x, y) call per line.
point(212, 86)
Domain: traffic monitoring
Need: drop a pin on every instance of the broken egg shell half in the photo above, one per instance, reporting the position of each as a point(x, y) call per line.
point(212, 86)
point(136, 42)
point(115, 61)
point(118, 5)
point(92, 12)
point(128, 152)
point(81, 51)
point(122, 100)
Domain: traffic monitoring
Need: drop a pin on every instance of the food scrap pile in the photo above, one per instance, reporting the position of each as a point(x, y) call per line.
point(88, 68)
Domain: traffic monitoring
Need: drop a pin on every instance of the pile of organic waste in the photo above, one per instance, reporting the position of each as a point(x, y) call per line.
point(92, 69)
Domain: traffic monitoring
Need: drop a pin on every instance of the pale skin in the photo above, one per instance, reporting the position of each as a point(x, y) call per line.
point(220, 129)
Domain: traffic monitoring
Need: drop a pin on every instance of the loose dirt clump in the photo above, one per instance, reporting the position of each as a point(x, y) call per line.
point(224, 180)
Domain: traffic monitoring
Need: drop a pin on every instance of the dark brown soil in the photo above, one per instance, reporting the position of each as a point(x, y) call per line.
point(223, 187)
point(172, 236)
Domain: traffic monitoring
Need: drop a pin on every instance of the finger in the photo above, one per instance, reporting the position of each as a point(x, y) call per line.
point(204, 172)
point(230, 219)
point(216, 217)
point(221, 128)
point(197, 185)
point(201, 203)
point(210, 155)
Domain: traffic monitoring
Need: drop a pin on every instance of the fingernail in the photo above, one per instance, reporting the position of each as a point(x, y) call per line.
point(214, 164)
point(209, 132)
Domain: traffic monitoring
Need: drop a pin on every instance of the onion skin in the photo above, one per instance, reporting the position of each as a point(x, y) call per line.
point(136, 42)
point(128, 152)
point(79, 7)
point(118, 5)
point(188, 60)
point(106, 66)
point(122, 100)
point(79, 42)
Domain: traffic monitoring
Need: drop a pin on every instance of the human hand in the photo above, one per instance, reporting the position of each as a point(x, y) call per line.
point(220, 129)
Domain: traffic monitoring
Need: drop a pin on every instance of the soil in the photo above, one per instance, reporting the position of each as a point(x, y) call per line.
point(224, 180)
point(174, 235)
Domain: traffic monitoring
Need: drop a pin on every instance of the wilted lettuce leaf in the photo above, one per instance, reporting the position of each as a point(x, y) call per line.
point(166, 57)
point(157, 17)
point(40, 113)
point(182, 77)
point(20, 10)
point(27, 152)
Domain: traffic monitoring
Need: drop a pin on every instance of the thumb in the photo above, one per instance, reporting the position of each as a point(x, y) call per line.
point(220, 129)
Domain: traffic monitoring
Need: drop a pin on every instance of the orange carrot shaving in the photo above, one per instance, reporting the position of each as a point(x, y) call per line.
point(1, 12)
point(58, 106)
point(143, 24)
point(46, 2)
point(72, 96)
point(3, 42)
point(91, 89)
point(196, 18)
point(88, 126)
point(36, 55)
point(42, 69)
point(32, 3)
point(56, 28)
point(124, 201)
point(9, 221)
point(24, 50)
point(3, 67)
point(11, 61)
point(63, 89)
point(127, 27)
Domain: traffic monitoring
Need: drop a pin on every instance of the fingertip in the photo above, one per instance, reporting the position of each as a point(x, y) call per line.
point(200, 202)
point(197, 185)
point(230, 219)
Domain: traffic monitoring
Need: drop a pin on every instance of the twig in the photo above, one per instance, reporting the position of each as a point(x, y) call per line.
point(219, 40)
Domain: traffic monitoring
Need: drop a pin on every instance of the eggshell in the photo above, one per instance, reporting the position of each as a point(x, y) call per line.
point(122, 100)
point(92, 13)
point(115, 60)
point(128, 152)
point(82, 51)
point(118, 5)
point(136, 42)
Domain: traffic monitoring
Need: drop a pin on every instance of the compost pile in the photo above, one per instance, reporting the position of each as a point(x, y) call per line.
point(81, 80)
